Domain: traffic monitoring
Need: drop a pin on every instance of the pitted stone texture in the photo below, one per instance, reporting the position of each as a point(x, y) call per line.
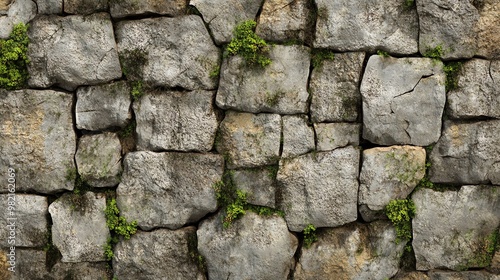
point(85, 6)
point(71, 234)
point(280, 87)
point(248, 140)
point(403, 100)
point(37, 139)
point(331, 136)
point(181, 121)
point(320, 189)
point(450, 25)
point(175, 52)
point(72, 51)
point(478, 91)
point(258, 184)
point(285, 20)
point(98, 159)
point(488, 28)
point(462, 275)
point(29, 264)
point(159, 254)
point(389, 173)
point(47, 7)
point(253, 247)
point(79, 271)
point(124, 8)
point(335, 88)
point(103, 107)
point(445, 236)
point(366, 25)
point(223, 16)
point(168, 189)
point(298, 137)
point(28, 219)
point(467, 153)
point(355, 251)
point(19, 11)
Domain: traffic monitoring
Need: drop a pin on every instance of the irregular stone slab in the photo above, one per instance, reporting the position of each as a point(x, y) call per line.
point(181, 121)
point(168, 189)
point(123, 8)
point(80, 271)
point(253, 247)
point(444, 235)
point(366, 25)
point(331, 136)
point(403, 100)
point(223, 16)
point(258, 184)
point(463, 275)
point(389, 173)
point(37, 139)
point(71, 51)
point(320, 189)
point(27, 220)
point(335, 88)
point(487, 28)
point(29, 264)
point(478, 93)
point(355, 251)
point(285, 20)
point(298, 137)
point(248, 140)
point(47, 7)
point(159, 254)
point(71, 216)
point(85, 6)
point(467, 153)
point(103, 107)
point(413, 275)
point(168, 52)
point(449, 25)
point(19, 11)
point(280, 87)
point(98, 159)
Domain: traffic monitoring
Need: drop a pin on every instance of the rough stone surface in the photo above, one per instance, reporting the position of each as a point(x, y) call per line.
point(444, 235)
point(331, 136)
point(85, 6)
point(28, 218)
point(19, 11)
point(98, 159)
point(467, 153)
point(253, 247)
point(249, 140)
point(159, 254)
point(320, 189)
point(463, 275)
point(366, 25)
point(29, 264)
point(223, 16)
point(355, 251)
point(168, 52)
point(72, 51)
point(478, 92)
point(488, 28)
point(168, 189)
point(258, 184)
point(71, 234)
point(413, 275)
point(450, 25)
point(389, 173)
point(285, 20)
point(124, 8)
point(298, 137)
point(103, 107)
point(181, 121)
point(79, 271)
point(47, 7)
point(280, 87)
point(335, 88)
point(37, 139)
point(403, 100)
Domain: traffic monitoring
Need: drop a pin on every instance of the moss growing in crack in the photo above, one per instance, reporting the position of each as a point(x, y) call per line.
point(486, 250)
point(117, 225)
point(14, 58)
point(435, 53)
point(451, 69)
point(214, 74)
point(400, 212)
point(137, 90)
point(133, 62)
point(128, 130)
point(408, 4)
point(249, 45)
point(320, 55)
point(383, 53)
point(309, 235)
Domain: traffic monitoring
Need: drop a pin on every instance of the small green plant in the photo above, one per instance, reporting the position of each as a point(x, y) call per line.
point(13, 58)
point(320, 55)
point(409, 4)
point(400, 212)
point(235, 209)
point(247, 44)
point(214, 74)
point(272, 99)
point(117, 225)
point(435, 53)
point(309, 235)
point(133, 62)
point(128, 130)
point(194, 254)
point(383, 53)
point(137, 90)
point(451, 69)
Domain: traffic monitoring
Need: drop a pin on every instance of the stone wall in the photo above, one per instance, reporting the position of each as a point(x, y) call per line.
point(222, 164)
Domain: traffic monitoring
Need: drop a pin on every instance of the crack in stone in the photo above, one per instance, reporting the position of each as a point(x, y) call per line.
point(489, 72)
point(411, 90)
point(406, 129)
point(100, 62)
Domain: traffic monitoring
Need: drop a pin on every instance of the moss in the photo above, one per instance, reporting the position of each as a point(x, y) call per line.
point(400, 212)
point(133, 62)
point(408, 4)
point(451, 69)
point(487, 249)
point(14, 58)
point(383, 53)
point(320, 55)
point(214, 74)
point(117, 225)
point(248, 45)
point(194, 254)
point(272, 99)
point(128, 130)
point(435, 53)
point(137, 90)
point(309, 235)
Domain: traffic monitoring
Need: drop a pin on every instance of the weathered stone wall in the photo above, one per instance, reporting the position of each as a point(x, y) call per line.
point(140, 102)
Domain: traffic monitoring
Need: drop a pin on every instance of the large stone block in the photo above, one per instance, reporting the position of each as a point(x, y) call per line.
point(403, 100)
point(37, 139)
point(72, 51)
point(168, 189)
point(488, 28)
point(280, 87)
point(331, 136)
point(85, 6)
point(47, 7)
point(80, 271)
point(124, 8)
point(320, 189)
